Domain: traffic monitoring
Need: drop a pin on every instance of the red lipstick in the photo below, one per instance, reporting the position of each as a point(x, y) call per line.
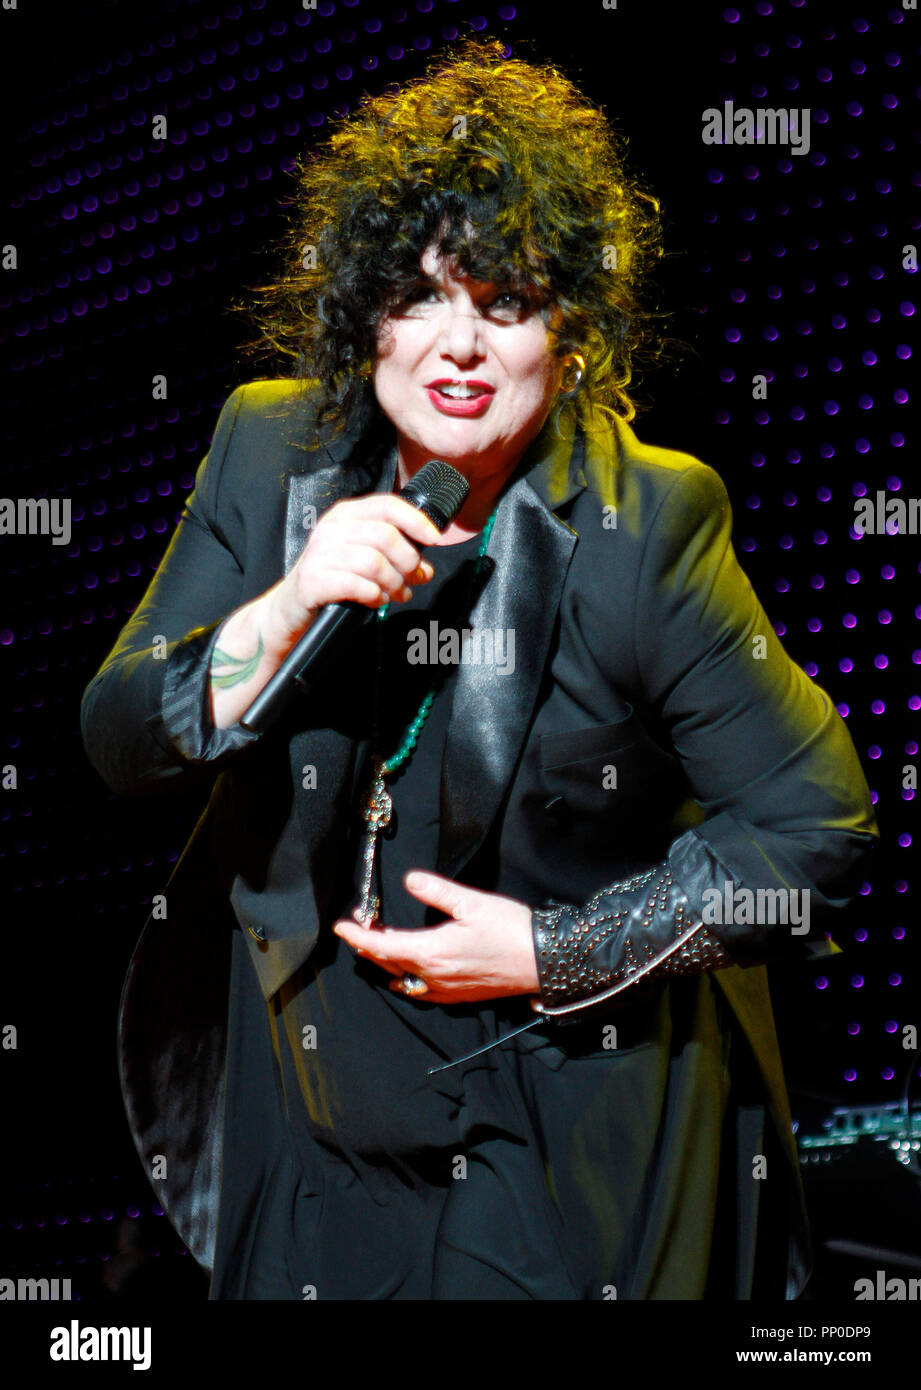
point(460, 405)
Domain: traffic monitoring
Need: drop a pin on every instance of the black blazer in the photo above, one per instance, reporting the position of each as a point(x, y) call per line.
point(636, 646)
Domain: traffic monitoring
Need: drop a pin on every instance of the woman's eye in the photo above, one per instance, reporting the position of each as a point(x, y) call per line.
point(508, 303)
point(418, 296)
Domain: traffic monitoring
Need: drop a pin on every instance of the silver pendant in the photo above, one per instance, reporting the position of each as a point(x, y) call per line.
point(376, 815)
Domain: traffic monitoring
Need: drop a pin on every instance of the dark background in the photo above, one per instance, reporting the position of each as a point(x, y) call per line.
point(129, 255)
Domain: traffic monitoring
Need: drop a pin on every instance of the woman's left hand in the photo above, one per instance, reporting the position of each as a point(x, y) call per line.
point(484, 951)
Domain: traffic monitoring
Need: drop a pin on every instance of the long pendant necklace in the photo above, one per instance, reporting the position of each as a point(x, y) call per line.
point(378, 807)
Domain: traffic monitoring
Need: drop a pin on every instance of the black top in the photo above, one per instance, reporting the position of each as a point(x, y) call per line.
point(351, 1173)
point(403, 1180)
point(421, 628)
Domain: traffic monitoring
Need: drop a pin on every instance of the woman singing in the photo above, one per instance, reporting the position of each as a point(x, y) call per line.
point(534, 787)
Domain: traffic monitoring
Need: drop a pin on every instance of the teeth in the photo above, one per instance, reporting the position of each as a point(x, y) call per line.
point(460, 392)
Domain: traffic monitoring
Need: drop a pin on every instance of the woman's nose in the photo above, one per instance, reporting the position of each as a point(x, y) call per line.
point(461, 331)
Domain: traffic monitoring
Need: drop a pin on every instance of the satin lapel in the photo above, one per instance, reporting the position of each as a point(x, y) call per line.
point(310, 493)
point(530, 549)
point(354, 463)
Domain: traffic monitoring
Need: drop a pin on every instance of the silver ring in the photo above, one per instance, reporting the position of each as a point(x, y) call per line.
point(411, 984)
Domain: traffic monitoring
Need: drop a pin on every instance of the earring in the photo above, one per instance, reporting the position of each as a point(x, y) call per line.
point(579, 361)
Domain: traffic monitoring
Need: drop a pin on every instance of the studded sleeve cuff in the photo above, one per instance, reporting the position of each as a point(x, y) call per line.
point(635, 932)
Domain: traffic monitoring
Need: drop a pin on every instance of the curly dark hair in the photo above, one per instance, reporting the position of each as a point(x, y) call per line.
point(513, 149)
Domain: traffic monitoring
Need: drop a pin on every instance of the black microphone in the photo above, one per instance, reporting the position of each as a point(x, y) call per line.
point(439, 491)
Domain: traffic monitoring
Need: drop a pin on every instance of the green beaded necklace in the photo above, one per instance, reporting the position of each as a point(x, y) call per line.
point(379, 806)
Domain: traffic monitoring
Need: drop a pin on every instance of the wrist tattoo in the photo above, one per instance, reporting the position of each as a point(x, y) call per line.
point(240, 668)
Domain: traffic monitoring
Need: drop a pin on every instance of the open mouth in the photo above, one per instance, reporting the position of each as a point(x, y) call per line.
point(462, 392)
point(460, 400)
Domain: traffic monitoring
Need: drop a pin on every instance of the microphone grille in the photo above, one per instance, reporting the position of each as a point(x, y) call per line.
point(438, 490)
